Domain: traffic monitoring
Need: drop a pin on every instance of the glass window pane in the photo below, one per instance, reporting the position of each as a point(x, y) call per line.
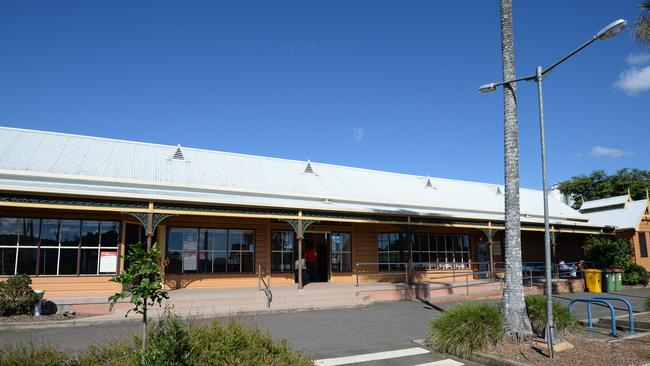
point(90, 234)
point(133, 234)
point(465, 243)
point(336, 262)
point(26, 261)
point(248, 262)
point(218, 262)
point(175, 239)
point(383, 257)
point(336, 242)
point(110, 233)
point(216, 239)
point(346, 245)
point(287, 262)
point(277, 239)
point(248, 240)
point(458, 243)
point(174, 262)
point(382, 242)
point(48, 261)
point(29, 232)
point(276, 262)
point(50, 233)
point(68, 261)
point(346, 264)
point(70, 231)
point(7, 261)
point(235, 240)
point(234, 260)
point(89, 258)
point(205, 262)
point(8, 231)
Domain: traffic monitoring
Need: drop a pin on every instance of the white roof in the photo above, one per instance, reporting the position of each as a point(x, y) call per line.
point(47, 162)
point(623, 216)
point(605, 202)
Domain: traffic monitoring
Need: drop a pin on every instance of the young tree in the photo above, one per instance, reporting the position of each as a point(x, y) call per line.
point(517, 323)
point(642, 24)
point(142, 284)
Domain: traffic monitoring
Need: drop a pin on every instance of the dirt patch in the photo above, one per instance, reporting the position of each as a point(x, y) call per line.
point(588, 351)
point(42, 318)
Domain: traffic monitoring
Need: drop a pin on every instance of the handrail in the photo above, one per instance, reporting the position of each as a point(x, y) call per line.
point(380, 273)
point(267, 284)
point(589, 301)
point(629, 308)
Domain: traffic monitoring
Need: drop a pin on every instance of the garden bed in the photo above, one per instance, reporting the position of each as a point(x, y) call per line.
point(590, 349)
point(42, 318)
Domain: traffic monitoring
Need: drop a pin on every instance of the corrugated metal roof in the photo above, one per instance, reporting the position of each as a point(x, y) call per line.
point(627, 216)
point(605, 202)
point(63, 163)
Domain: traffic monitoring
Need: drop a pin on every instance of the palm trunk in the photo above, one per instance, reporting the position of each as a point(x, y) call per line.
point(144, 330)
point(517, 323)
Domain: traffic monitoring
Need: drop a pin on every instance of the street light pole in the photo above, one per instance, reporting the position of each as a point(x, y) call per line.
point(609, 31)
point(550, 331)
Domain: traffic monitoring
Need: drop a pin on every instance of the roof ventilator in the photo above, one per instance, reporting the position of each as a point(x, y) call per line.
point(178, 154)
point(429, 184)
point(308, 168)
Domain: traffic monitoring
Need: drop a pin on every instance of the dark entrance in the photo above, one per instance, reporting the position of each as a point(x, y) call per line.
point(319, 266)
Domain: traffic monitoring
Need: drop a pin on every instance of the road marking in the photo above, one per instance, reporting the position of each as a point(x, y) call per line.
point(446, 362)
point(371, 357)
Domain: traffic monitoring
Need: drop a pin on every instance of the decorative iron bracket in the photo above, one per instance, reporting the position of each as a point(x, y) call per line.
point(142, 218)
point(489, 233)
point(294, 225)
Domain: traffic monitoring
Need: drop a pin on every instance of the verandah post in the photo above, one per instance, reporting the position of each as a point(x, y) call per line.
point(300, 249)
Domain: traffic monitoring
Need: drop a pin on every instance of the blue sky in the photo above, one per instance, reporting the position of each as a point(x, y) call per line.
point(389, 85)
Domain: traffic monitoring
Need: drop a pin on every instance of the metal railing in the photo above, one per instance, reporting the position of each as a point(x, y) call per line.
point(265, 285)
point(535, 272)
point(387, 272)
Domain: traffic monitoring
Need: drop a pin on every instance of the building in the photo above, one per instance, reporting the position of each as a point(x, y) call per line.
point(630, 218)
point(71, 205)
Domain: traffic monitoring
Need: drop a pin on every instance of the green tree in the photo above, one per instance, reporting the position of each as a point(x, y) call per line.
point(642, 24)
point(513, 305)
point(142, 284)
point(601, 185)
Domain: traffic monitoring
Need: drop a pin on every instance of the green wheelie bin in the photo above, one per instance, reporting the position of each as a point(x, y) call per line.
point(609, 280)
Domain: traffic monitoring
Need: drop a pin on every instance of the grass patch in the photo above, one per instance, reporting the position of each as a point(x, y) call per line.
point(466, 328)
point(536, 309)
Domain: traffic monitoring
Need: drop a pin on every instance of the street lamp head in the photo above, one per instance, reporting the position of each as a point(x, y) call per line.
point(487, 88)
point(611, 30)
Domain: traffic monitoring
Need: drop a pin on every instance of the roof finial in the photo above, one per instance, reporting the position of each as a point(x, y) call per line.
point(629, 195)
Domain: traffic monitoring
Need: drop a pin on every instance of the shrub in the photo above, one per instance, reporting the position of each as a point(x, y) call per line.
point(169, 342)
point(466, 328)
point(29, 354)
point(536, 309)
point(17, 296)
point(172, 342)
point(608, 253)
point(635, 274)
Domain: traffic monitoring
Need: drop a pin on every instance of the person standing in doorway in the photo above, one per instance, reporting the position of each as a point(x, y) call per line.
point(310, 256)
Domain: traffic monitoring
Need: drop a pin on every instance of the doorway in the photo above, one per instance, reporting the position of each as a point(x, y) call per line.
point(319, 267)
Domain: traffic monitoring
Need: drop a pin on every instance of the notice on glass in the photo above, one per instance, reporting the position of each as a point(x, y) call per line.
point(189, 261)
point(108, 262)
point(190, 241)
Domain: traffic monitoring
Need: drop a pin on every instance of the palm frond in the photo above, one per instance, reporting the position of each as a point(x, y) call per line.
point(642, 29)
point(645, 5)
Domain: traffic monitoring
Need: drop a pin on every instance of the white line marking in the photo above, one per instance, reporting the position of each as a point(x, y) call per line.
point(446, 362)
point(371, 357)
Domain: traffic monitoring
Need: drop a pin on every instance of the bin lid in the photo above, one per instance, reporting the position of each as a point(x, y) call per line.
point(593, 271)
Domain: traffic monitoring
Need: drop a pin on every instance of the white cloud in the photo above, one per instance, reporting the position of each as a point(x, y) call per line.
point(638, 58)
point(634, 80)
point(357, 134)
point(608, 152)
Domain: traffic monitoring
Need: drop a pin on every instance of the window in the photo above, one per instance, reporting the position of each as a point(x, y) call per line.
point(434, 251)
point(282, 251)
point(58, 247)
point(341, 252)
point(392, 254)
point(210, 251)
point(643, 247)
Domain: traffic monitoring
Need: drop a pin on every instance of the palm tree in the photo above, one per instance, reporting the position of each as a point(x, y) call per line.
point(642, 25)
point(513, 304)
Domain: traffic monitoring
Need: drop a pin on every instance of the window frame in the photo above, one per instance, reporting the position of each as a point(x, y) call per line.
point(40, 248)
point(200, 229)
point(643, 244)
point(283, 251)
